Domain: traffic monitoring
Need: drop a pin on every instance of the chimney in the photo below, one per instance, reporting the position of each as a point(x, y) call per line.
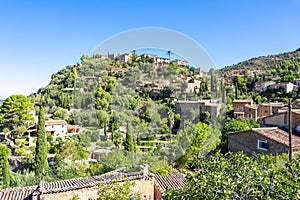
point(145, 169)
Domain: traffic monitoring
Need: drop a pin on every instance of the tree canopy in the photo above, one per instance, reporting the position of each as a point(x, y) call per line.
point(15, 111)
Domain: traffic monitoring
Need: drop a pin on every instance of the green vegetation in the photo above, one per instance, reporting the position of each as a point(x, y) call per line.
point(41, 163)
point(238, 176)
point(15, 114)
point(116, 190)
point(279, 68)
point(129, 143)
point(4, 166)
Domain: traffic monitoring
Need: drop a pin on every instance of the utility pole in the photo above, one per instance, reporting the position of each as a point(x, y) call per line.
point(290, 131)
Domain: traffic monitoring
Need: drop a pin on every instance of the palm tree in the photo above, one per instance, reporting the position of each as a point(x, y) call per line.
point(169, 53)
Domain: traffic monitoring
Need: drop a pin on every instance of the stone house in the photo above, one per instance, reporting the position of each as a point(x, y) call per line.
point(147, 185)
point(184, 107)
point(281, 119)
point(267, 109)
point(286, 86)
point(239, 107)
point(262, 86)
point(246, 109)
point(181, 63)
point(262, 140)
point(192, 84)
point(120, 57)
point(251, 111)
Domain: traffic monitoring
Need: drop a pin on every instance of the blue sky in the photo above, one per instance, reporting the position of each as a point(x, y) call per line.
point(37, 38)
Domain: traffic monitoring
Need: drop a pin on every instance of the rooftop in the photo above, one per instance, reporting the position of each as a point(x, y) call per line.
point(55, 122)
point(173, 181)
point(67, 185)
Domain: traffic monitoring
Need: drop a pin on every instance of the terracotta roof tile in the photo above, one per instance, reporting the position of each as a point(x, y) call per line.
point(173, 181)
point(67, 185)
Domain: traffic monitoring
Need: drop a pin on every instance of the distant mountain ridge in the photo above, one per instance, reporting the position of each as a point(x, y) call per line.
point(260, 64)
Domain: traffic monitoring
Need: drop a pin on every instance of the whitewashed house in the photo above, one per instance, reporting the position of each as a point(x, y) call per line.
point(56, 128)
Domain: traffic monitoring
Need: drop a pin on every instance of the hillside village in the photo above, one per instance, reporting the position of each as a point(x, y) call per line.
point(107, 109)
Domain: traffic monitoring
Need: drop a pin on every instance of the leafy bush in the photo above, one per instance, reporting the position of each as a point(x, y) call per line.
point(238, 176)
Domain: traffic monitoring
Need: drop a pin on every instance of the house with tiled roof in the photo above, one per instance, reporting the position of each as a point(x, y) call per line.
point(271, 140)
point(149, 186)
point(55, 128)
point(244, 108)
point(239, 108)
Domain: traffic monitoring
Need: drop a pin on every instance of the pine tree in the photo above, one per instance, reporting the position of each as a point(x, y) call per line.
point(4, 166)
point(138, 140)
point(129, 143)
point(41, 145)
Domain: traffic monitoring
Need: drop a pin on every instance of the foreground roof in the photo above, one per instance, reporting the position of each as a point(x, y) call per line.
point(72, 184)
point(173, 181)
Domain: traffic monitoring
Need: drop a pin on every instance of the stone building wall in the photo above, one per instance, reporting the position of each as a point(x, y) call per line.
point(275, 120)
point(247, 142)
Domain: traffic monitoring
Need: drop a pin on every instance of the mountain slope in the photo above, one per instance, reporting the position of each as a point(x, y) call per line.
point(261, 64)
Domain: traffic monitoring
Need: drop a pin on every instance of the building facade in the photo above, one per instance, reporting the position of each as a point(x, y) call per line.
point(262, 141)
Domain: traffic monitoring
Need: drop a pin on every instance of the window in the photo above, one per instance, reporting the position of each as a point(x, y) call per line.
point(62, 125)
point(250, 115)
point(262, 144)
point(52, 126)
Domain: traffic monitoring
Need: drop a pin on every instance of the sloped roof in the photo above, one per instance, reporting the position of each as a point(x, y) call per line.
point(242, 100)
point(55, 122)
point(173, 181)
point(273, 133)
point(17, 193)
point(72, 184)
point(284, 112)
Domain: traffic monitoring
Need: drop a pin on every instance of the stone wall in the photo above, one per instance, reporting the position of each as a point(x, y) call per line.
point(247, 142)
point(275, 120)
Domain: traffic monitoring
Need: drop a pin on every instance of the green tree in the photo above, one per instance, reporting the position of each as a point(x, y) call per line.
point(129, 143)
point(4, 166)
point(41, 146)
point(239, 82)
point(15, 111)
point(239, 124)
point(238, 176)
point(205, 117)
point(103, 118)
point(70, 149)
point(101, 99)
point(60, 113)
point(115, 190)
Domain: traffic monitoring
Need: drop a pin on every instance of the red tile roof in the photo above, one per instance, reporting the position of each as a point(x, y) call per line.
point(67, 185)
point(173, 181)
